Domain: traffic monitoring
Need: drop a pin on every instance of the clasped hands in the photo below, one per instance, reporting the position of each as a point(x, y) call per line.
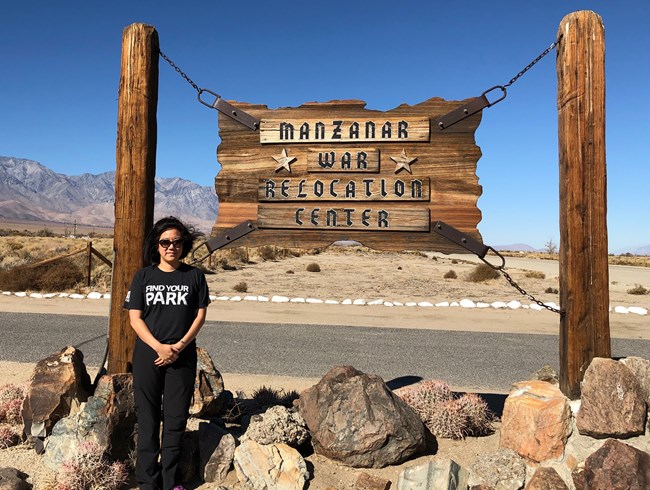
point(167, 354)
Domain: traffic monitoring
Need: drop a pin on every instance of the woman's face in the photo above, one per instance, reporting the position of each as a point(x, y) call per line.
point(170, 246)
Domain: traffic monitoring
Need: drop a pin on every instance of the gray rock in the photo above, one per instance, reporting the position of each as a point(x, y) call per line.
point(502, 470)
point(356, 419)
point(439, 474)
point(107, 419)
point(612, 403)
point(13, 479)
point(216, 452)
point(641, 369)
point(277, 424)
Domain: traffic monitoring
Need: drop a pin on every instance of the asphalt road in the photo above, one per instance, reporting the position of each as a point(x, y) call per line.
point(468, 359)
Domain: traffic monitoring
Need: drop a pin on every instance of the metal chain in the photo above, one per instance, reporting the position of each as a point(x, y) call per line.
point(532, 63)
point(180, 72)
point(528, 295)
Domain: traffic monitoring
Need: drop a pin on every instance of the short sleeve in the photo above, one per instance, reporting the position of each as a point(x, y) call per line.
point(204, 294)
point(134, 297)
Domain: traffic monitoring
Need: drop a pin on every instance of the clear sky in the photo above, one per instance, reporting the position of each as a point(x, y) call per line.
point(61, 62)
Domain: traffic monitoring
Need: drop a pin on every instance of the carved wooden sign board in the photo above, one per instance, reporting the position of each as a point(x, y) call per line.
point(332, 171)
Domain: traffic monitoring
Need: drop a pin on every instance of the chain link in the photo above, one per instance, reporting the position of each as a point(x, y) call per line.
point(528, 295)
point(532, 63)
point(180, 72)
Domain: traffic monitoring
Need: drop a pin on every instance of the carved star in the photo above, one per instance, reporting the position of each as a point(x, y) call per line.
point(284, 161)
point(403, 162)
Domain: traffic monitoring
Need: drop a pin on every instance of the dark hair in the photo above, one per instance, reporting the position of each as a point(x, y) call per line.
point(188, 234)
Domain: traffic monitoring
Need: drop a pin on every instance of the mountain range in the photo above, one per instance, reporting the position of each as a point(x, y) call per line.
point(30, 191)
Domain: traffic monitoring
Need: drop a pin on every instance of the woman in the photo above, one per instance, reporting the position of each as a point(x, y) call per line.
point(167, 304)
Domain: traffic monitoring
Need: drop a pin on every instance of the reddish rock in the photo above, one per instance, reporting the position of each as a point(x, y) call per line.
point(612, 403)
point(368, 482)
point(546, 479)
point(615, 466)
point(209, 399)
point(356, 419)
point(536, 421)
point(58, 387)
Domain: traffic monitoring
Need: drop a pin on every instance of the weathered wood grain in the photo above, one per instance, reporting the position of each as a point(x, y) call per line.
point(134, 179)
point(448, 159)
point(584, 275)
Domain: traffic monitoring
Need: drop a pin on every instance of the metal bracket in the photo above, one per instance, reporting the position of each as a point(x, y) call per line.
point(467, 242)
point(223, 239)
point(474, 105)
point(230, 110)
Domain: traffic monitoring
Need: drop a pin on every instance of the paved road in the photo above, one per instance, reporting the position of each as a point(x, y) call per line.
point(469, 359)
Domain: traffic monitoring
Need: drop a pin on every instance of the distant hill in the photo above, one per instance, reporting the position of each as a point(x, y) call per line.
point(517, 247)
point(30, 191)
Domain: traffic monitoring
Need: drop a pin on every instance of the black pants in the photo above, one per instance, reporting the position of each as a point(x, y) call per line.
point(170, 388)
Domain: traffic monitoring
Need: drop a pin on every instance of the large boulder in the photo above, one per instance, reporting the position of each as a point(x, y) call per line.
point(536, 421)
point(615, 466)
point(107, 419)
point(356, 419)
point(216, 452)
point(612, 402)
point(270, 467)
point(59, 385)
point(209, 396)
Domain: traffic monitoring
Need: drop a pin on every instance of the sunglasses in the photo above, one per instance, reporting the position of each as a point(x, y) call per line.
point(176, 242)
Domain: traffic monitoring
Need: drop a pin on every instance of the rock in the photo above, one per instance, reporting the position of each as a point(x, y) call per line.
point(641, 370)
point(355, 418)
point(13, 479)
point(216, 452)
point(107, 419)
point(612, 404)
point(546, 479)
point(277, 425)
point(615, 466)
point(503, 470)
point(536, 421)
point(59, 386)
point(208, 398)
point(546, 373)
point(368, 482)
point(443, 474)
point(270, 467)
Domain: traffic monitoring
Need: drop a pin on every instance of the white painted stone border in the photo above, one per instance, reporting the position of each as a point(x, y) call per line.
point(463, 303)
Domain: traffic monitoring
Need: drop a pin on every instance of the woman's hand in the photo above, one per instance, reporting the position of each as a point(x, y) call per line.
point(167, 354)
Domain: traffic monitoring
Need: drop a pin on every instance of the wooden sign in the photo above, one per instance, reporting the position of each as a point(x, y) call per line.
point(332, 171)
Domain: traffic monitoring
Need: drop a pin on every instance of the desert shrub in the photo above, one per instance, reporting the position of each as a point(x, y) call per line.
point(446, 416)
point(313, 267)
point(265, 396)
point(241, 287)
point(450, 274)
point(454, 261)
point(535, 275)
point(290, 272)
point(270, 252)
point(9, 436)
point(551, 290)
point(638, 289)
point(13, 245)
point(11, 401)
point(88, 468)
point(61, 275)
point(482, 272)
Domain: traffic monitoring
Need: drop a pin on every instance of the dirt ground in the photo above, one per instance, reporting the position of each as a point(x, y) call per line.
point(353, 273)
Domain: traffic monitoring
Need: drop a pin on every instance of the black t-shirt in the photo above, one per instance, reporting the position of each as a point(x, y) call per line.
point(168, 300)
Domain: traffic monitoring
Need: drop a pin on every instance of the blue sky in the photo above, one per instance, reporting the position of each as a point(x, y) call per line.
point(61, 62)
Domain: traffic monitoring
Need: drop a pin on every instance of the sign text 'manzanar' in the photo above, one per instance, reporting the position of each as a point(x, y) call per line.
point(343, 130)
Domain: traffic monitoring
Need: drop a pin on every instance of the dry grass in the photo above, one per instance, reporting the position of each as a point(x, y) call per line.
point(625, 259)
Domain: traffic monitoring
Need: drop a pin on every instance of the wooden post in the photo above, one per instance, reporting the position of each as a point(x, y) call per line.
point(134, 179)
point(89, 261)
point(584, 274)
